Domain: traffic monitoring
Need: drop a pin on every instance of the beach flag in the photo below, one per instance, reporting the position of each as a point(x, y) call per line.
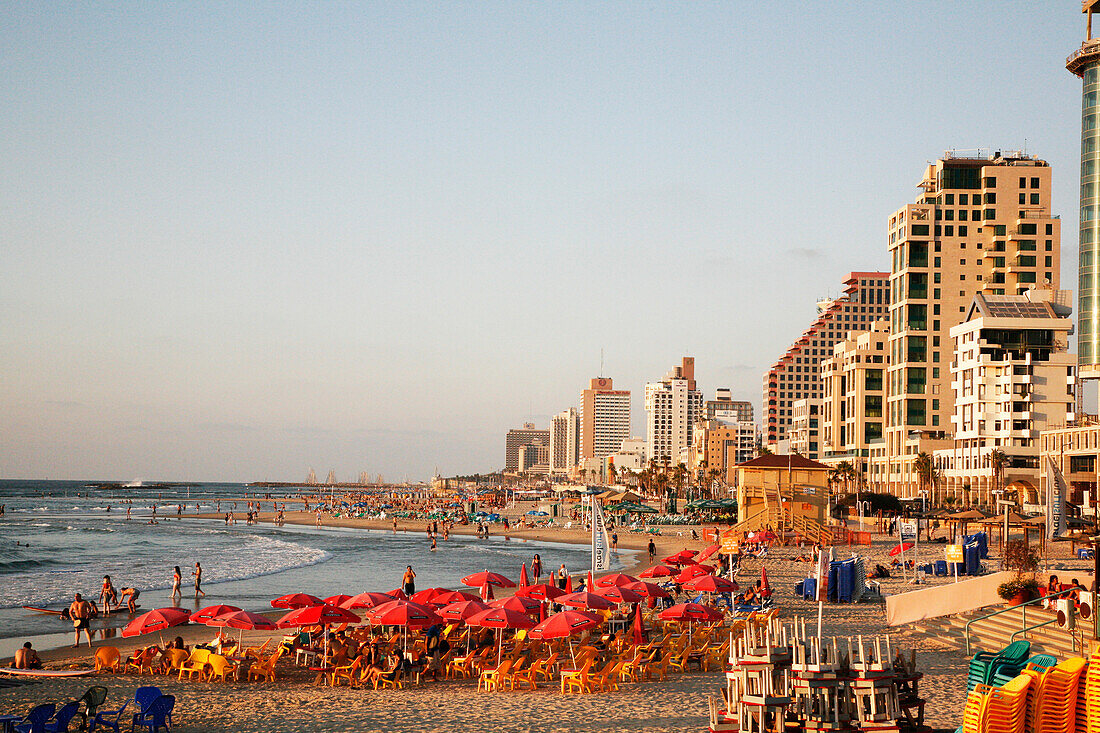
point(523, 576)
point(601, 557)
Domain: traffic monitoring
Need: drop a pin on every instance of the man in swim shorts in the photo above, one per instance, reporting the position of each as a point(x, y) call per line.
point(80, 611)
point(130, 596)
point(27, 658)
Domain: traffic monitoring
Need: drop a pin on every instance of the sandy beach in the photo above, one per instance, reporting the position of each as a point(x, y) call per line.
point(679, 704)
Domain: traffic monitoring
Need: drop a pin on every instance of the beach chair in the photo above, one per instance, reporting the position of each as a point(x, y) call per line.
point(143, 660)
point(35, 722)
point(257, 652)
point(396, 682)
point(108, 658)
point(492, 679)
point(158, 715)
point(174, 659)
point(195, 663)
point(59, 723)
point(350, 672)
point(576, 679)
point(92, 698)
point(529, 676)
point(108, 718)
point(265, 670)
point(219, 667)
point(1038, 662)
point(607, 678)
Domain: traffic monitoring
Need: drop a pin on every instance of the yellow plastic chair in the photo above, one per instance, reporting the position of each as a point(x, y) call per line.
point(219, 667)
point(143, 661)
point(492, 679)
point(174, 659)
point(576, 679)
point(350, 672)
point(265, 670)
point(195, 663)
point(107, 658)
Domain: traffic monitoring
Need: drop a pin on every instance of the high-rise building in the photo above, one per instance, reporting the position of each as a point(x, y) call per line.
point(1012, 377)
point(796, 375)
point(1085, 63)
point(672, 406)
point(565, 442)
point(854, 398)
point(805, 431)
point(605, 418)
point(728, 410)
point(527, 435)
point(719, 445)
point(982, 223)
point(533, 458)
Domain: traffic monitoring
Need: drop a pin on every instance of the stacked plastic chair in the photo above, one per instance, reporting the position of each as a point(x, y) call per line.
point(1038, 662)
point(1056, 702)
point(1009, 661)
point(1089, 691)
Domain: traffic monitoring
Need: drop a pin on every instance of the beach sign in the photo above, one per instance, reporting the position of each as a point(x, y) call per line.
point(908, 529)
point(953, 553)
point(729, 545)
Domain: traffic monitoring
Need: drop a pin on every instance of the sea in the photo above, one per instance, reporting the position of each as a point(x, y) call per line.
point(58, 538)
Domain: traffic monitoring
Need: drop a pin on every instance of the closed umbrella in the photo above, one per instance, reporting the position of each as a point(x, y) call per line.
point(523, 576)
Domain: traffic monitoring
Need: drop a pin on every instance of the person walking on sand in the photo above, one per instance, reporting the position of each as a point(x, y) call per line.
point(107, 595)
point(197, 572)
point(177, 581)
point(81, 613)
point(536, 567)
point(652, 550)
point(408, 582)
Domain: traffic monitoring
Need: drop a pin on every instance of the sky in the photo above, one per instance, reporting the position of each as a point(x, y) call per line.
point(240, 241)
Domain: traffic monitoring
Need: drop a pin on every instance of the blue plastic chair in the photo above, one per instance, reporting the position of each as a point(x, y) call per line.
point(61, 719)
point(145, 696)
point(35, 722)
point(104, 718)
point(157, 716)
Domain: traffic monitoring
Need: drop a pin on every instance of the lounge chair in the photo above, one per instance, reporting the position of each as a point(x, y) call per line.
point(107, 658)
point(257, 651)
point(195, 663)
point(35, 722)
point(158, 715)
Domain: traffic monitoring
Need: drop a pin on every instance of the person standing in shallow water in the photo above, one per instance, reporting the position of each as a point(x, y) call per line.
point(81, 613)
point(408, 582)
point(177, 581)
point(197, 572)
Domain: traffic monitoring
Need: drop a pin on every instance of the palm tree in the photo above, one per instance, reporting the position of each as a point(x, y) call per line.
point(925, 467)
point(714, 476)
point(662, 486)
point(678, 475)
point(764, 451)
point(998, 462)
point(612, 474)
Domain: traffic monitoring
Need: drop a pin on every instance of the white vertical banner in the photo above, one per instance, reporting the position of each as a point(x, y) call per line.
point(1056, 508)
point(601, 557)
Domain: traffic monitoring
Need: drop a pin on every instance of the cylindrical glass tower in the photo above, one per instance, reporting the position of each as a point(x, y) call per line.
point(1085, 63)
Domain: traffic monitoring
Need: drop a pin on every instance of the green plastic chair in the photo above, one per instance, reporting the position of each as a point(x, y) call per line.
point(1009, 661)
point(1039, 662)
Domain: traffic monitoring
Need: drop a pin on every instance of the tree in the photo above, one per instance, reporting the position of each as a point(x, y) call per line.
point(925, 467)
point(612, 474)
point(678, 475)
point(998, 462)
point(764, 451)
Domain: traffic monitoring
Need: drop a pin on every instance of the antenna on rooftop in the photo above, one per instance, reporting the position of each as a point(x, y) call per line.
point(601, 361)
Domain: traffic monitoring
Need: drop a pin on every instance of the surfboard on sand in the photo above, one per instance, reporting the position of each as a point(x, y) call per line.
point(47, 672)
point(64, 612)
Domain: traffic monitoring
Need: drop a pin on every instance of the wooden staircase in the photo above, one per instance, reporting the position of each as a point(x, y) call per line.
point(996, 632)
point(784, 522)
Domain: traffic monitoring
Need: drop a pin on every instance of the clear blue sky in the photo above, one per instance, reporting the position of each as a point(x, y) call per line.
point(240, 240)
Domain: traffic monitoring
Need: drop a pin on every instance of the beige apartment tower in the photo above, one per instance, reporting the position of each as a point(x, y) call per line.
point(605, 418)
point(982, 223)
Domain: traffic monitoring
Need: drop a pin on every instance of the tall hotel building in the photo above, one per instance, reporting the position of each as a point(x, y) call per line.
point(796, 376)
point(672, 406)
point(980, 224)
point(605, 418)
point(565, 442)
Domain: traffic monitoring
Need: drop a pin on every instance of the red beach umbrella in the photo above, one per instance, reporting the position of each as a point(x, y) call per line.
point(479, 579)
point(462, 610)
point(618, 594)
point(639, 627)
point(156, 620)
point(898, 549)
point(615, 579)
point(322, 615)
point(523, 576)
point(210, 612)
point(765, 589)
point(402, 613)
point(243, 620)
point(517, 603)
point(690, 612)
point(337, 599)
point(712, 584)
point(707, 552)
point(569, 584)
point(453, 596)
point(691, 572)
point(296, 600)
point(566, 623)
point(397, 594)
point(652, 590)
point(366, 600)
point(683, 557)
point(424, 597)
point(541, 592)
point(584, 599)
point(657, 571)
point(501, 618)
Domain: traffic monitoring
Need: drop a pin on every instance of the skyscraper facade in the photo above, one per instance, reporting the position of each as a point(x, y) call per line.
point(527, 435)
point(565, 441)
point(672, 406)
point(796, 375)
point(1085, 63)
point(605, 418)
point(982, 223)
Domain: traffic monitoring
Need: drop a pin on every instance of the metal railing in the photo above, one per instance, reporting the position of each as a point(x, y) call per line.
point(1023, 611)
